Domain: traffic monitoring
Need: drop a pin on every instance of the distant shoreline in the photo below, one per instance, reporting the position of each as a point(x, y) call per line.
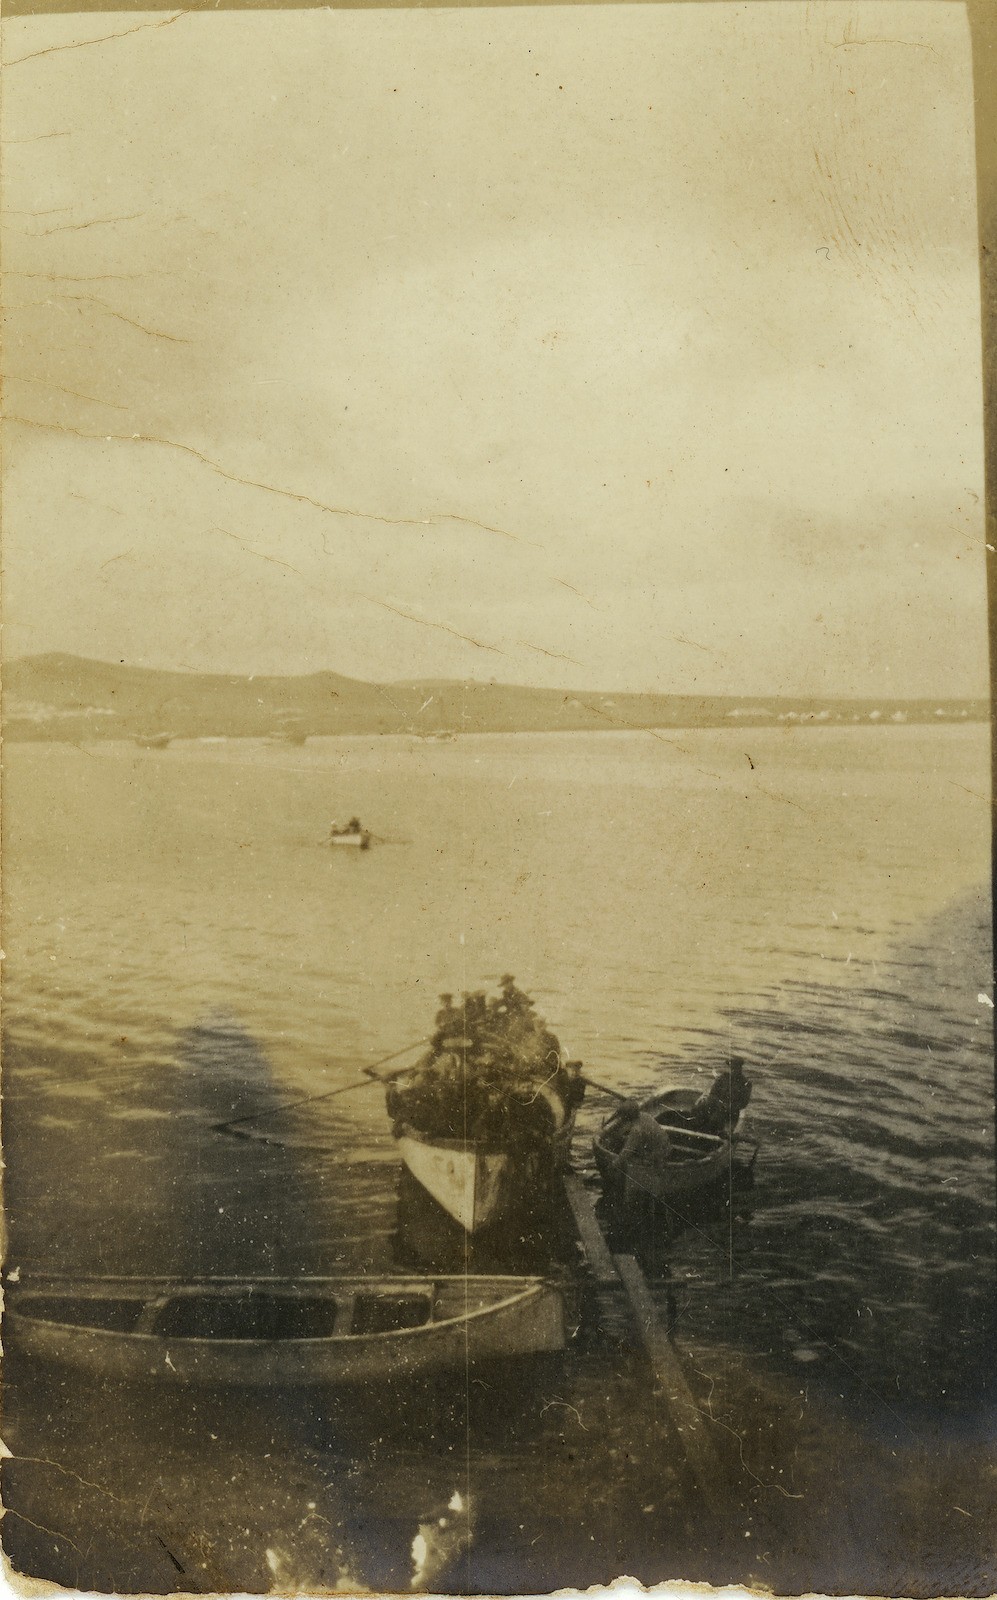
point(92, 735)
point(66, 698)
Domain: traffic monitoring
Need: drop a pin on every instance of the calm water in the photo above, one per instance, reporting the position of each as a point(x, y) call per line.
point(182, 947)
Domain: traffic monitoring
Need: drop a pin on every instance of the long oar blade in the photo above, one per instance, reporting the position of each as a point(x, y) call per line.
point(372, 1076)
point(604, 1088)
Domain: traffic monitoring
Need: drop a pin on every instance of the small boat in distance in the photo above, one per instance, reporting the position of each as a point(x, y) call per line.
point(354, 835)
point(279, 1332)
point(153, 741)
point(695, 1160)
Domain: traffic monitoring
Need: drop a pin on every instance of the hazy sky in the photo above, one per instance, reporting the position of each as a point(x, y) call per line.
point(623, 346)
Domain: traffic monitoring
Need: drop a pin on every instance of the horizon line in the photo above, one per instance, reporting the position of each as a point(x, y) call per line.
point(492, 683)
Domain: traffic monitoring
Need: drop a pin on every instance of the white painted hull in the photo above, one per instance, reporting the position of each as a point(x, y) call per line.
point(470, 1184)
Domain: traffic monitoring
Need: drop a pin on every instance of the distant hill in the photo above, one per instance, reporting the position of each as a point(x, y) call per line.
point(69, 697)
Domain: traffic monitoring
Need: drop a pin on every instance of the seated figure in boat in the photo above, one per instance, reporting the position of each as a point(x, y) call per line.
point(522, 1031)
point(718, 1109)
point(493, 1071)
point(646, 1143)
point(570, 1084)
point(449, 1024)
point(645, 1150)
point(338, 830)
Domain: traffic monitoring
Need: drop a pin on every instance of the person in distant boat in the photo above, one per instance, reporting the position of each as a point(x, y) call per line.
point(353, 826)
point(718, 1109)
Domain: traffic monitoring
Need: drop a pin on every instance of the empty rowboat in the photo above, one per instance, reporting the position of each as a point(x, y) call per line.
point(282, 1332)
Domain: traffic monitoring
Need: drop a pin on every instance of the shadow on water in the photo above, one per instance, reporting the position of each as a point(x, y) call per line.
point(153, 1487)
point(113, 1166)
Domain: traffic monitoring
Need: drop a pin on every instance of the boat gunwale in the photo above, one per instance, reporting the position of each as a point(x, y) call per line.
point(477, 1147)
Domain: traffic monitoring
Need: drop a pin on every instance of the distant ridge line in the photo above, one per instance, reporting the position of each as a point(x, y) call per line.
point(61, 696)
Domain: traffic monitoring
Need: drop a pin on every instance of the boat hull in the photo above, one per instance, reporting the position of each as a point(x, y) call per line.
point(189, 1333)
point(467, 1182)
point(627, 1180)
point(478, 1186)
point(350, 841)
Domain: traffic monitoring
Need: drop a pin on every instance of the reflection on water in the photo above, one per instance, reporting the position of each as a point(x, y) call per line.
point(184, 951)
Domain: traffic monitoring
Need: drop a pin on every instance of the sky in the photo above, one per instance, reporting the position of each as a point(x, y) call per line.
point(624, 347)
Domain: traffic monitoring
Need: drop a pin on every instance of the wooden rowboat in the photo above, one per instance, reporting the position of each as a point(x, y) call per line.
point(484, 1120)
point(695, 1161)
point(353, 839)
point(465, 1180)
point(281, 1331)
point(478, 1184)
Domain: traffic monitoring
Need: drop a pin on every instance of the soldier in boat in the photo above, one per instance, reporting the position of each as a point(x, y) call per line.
point(449, 1024)
point(645, 1150)
point(647, 1142)
point(493, 1072)
point(340, 831)
point(718, 1109)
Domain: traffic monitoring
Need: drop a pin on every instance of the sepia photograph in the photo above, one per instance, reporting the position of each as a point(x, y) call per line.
point(498, 1051)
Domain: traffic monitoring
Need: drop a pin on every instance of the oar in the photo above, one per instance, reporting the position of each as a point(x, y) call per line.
point(669, 1127)
point(604, 1088)
point(328, 1094)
